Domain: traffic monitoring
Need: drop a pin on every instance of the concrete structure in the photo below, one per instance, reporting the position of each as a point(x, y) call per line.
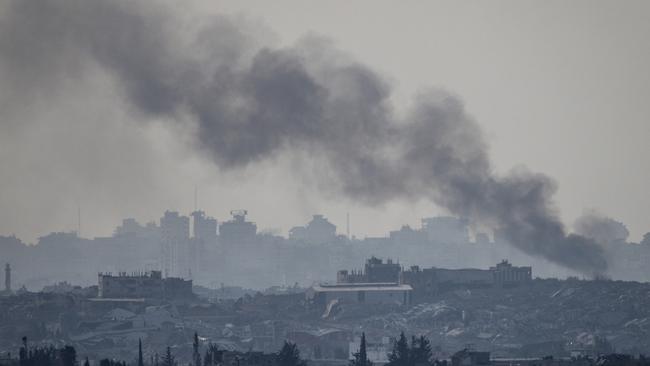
point(142, 285)
point(237, 231)
point(446, 229)
point(505, 274)
point(376, 351)
point(430, 281)
point(318, 231)
point(468, 357)
point(375, 271)
point(204, 227)
point(407, 236)
point(321, 344)
point(8, 278)
point(204, 238)
point(132, 228)
point(361, 293)
point(175, 236)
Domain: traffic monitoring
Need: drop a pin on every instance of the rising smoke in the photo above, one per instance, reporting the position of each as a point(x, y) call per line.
point(250, 103)
point(605, 230)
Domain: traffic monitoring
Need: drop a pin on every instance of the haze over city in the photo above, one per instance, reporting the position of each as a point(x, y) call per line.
point(563, 80)
point(290, 183)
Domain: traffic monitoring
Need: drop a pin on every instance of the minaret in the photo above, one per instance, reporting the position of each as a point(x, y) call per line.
point(8, 278)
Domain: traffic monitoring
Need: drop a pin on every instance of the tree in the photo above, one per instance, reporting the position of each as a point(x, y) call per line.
point(361, 357)
point(169, 359)
point(289, 355)
point(196, 355)
point(68, 356)
point(140, 359)
point(22, 354)
point(421, 353)
point(400, 356)
point(211, 355)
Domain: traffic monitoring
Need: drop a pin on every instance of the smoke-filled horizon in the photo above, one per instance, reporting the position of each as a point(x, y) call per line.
point(247, 103)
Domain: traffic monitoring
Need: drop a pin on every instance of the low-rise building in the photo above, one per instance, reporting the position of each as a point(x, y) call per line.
point(361, 293)
point(143, 285)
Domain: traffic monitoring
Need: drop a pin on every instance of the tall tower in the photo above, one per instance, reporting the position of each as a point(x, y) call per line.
point(175, 238)
point(8, 278)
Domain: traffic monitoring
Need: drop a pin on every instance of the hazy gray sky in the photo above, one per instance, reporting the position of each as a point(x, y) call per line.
point(562, 87)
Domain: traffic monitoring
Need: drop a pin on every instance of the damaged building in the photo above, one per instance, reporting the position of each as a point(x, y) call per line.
point(143, 285)
point(325, 295)
point(375, 271)
point(428, 282)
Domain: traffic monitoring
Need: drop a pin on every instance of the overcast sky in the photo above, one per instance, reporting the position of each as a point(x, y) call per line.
point(562, 87)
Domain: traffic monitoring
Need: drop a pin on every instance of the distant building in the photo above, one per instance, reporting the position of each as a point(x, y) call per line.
point(175, 236)
point(375, 271)
point(446, 229)
point(8, 278)
point(131, 227)
point(407, 236)
point(204, 227)
point(505, 274)
point(376, 351)
point(361, 293)
point(468, 357)
point(378, 271)
point(204, 238)
point(318, 231)
point(482, 239)
point(237, 231)
point(143, 285)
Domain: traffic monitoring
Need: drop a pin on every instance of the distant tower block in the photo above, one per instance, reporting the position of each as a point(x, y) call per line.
point(8, 278)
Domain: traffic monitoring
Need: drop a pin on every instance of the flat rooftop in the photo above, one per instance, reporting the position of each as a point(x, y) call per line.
point(338, 287)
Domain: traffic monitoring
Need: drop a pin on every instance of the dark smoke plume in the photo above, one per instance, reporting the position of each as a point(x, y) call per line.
point(601, 228)
point(248, 104)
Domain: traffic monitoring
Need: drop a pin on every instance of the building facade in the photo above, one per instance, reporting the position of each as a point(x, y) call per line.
point(142, 285)
point(175, 249)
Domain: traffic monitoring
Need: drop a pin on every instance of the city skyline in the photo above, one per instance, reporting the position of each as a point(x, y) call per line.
point(137, 165)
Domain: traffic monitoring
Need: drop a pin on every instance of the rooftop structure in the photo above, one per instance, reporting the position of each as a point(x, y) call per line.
point(318, 231)
point(238, 231)
point(446, 229)
point(505, 273)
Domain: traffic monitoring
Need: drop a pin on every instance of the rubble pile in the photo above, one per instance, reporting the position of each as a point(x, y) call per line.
point(582, 316)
